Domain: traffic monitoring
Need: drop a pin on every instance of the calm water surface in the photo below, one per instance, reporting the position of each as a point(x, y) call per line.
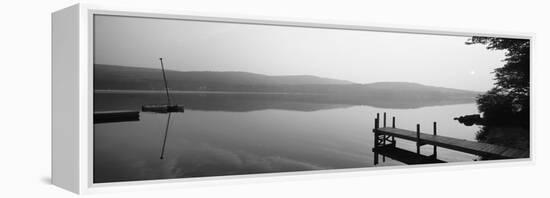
point(254, 136)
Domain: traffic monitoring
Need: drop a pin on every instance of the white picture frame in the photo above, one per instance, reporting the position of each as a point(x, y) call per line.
point(72, 91)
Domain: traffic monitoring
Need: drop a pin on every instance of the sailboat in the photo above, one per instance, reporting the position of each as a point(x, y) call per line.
point(163, 108)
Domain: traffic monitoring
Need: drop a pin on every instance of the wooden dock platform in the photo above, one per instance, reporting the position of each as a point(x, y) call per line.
point(115, 116)
point(471, 147)
point(384, 140)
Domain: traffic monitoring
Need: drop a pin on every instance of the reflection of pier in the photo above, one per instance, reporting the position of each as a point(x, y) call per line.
point(402, 155)
point(385, 145)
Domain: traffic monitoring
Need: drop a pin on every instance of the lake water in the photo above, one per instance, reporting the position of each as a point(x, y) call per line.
point(224, 135)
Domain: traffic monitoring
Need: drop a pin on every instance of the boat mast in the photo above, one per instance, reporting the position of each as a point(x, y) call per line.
point(165, 82)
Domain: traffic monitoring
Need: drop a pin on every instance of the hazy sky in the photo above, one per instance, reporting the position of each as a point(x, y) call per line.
point(358, 56)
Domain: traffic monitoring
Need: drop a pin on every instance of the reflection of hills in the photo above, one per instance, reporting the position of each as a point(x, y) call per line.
point(210, 102)
point(113, 100)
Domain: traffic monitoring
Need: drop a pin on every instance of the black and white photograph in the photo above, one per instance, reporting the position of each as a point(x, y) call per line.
point(176, 98)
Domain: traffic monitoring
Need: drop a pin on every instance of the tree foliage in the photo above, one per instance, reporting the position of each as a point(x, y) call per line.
point(508, 102)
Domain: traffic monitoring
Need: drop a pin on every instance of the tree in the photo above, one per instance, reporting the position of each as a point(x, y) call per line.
point(508, 102)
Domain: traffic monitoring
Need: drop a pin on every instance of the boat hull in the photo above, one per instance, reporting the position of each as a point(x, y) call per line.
point(162, 108)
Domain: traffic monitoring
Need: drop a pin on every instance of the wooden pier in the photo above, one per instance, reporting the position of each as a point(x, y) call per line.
point(384, 141)
point(115, 116)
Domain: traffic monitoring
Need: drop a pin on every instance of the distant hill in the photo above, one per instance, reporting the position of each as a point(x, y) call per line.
point(320, 90)
point(122, 77)
point(406, 87)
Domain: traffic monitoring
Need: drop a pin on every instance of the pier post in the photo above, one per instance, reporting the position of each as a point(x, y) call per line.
point(393, 126)
point(384, 136)
point(375, 158)
point(418, 139)
point(375, 140)
point(375, 132)
point(377, 117)
point(384, 119)
point(435, 134)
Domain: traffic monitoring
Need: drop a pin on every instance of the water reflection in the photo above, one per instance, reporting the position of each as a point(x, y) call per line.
point(165, 135)
point(402, 155)
point(248, 135)
point(245, 102)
